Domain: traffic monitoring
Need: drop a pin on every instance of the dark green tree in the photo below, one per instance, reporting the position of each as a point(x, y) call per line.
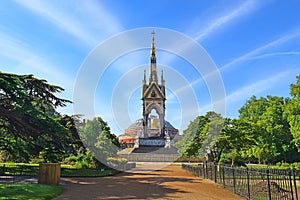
point(26, 103)
point(30, 125)
point(97, 138)
point(238, 138)
point(272, 133)
point(292, 112)
point(192, 137)
point(201, 138)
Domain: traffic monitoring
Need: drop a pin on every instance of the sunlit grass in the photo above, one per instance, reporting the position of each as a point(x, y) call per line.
point(29, 191)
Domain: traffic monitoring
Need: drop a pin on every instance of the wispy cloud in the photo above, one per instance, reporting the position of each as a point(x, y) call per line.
point(259, 86)
point(288, 53)
point(87, 24)
point(260, 49)
point(27, 61)
point(256, 88)
point(257, 53)
point(217, 22)
point(230, 16)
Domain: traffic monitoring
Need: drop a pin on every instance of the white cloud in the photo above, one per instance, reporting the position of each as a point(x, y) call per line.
point(245, 8)
point(234, 14)
point(29, 62)
point(289, 53)
point(254, 55)
point(260, 49)
point(86, 21)
point(258, 87)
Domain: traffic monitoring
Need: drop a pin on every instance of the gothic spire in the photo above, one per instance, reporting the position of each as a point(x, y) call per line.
point(153, 69)
point(153, 46)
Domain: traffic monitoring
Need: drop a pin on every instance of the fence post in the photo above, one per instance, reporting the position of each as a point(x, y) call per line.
point(248, 183)
point(269, 186)
point(206, 172)
point(203, 170)
point(233, 176)
point(215, 168)
point(291, 184)
point(211, 171)
point(223, 171)
point(295, 184)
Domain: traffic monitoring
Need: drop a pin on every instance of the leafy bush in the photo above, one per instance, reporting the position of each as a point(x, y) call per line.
point(71, 160)
point(84, 159)
point(296, 165)
point(284, 165)
point(113, 161)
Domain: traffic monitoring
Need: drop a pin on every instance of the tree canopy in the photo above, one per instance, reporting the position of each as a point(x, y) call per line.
point(267, 131)
point(30, 126)
point(292, 112)
point(28, 105)
point(96, 136)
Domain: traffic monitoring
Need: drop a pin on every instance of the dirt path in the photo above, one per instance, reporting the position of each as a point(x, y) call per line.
point(168, 183)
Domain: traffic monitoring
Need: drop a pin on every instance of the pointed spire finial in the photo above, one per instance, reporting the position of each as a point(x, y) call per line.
point(153, 44)
point(153, 69)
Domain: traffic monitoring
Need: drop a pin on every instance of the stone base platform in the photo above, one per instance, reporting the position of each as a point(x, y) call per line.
point(151, 154)
point(152, 142)
point(155, 150)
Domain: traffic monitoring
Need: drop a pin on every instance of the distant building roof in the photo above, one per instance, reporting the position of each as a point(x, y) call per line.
point(139, 124)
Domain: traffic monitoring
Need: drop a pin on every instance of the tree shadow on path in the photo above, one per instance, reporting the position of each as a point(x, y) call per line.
point(125, 186)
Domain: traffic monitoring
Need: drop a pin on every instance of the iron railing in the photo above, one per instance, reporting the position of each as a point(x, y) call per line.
point(251, 183)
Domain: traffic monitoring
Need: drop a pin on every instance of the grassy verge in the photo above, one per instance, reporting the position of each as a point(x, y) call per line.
point(29, 191)
point(176, 164)
point(25, 169)
point(87, 172)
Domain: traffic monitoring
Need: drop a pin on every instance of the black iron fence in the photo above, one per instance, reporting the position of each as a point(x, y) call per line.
point(251, 183)
point(18, 173)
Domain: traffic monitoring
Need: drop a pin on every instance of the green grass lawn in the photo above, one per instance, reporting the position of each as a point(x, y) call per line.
point(66, 170)
point(29, 191)
point(87, 172)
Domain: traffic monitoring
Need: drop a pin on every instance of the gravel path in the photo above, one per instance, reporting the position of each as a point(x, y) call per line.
point(168, 183)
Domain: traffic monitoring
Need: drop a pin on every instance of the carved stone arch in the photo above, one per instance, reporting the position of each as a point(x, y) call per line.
point(159, 109)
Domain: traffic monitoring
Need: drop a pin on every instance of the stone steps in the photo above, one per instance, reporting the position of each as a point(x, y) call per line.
point(155, 150)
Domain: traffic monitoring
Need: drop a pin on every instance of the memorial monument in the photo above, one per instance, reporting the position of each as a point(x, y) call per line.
point(152, 130)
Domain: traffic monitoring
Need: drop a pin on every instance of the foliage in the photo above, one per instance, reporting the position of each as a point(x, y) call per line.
point(27, 104)
point(267, 131)
point(85, 159)
point(292, 112)
point(26, 169)
point(98, 140)
point(272, 134)
point(30, 127)
point(115, 161)
point(201, 137)
point(239, 137)
point(29, 191)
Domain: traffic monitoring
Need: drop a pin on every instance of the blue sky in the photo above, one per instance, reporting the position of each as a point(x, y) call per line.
point(254, 44)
